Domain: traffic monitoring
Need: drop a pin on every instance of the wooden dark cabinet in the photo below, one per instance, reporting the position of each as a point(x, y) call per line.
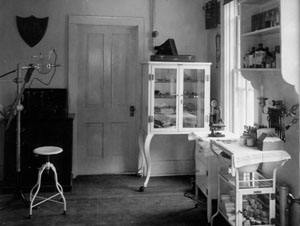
point(37, 132)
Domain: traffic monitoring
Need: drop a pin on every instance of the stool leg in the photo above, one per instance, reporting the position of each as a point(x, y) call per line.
point(59, 187)
point(38, 185)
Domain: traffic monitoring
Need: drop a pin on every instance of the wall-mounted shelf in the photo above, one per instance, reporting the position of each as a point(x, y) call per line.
point(254, 2)
point(255, 31)
point(265, 31)
point(280, 34)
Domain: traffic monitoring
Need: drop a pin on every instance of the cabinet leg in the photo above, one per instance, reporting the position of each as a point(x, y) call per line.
point(146, 154)
point(141, 167)
point(142, 188)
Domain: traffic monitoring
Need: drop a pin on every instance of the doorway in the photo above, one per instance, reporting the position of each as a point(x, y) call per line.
point(104, 93)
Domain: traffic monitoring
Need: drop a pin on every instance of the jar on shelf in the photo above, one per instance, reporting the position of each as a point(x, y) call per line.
point(259, 55)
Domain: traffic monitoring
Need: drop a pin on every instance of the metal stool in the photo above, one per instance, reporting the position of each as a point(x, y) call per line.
point(47, 151)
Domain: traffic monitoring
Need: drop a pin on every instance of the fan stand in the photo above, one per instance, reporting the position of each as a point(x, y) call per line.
point(17, 106)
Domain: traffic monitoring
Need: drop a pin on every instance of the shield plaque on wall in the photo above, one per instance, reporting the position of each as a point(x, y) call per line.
point(32, 29)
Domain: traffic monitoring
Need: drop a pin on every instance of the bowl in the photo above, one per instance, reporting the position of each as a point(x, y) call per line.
point(248, 168)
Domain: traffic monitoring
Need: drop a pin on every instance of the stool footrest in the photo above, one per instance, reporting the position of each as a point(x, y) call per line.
point(47, 199)
point(35, 189)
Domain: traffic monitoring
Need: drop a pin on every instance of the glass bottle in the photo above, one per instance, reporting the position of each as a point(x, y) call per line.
point(259, 56)
point(273, 63)
point(277, 17)
point(277, 56)
point(267, 19)
point(272, 18)
point(246, 60)
point(251, 59)
point(267, 62)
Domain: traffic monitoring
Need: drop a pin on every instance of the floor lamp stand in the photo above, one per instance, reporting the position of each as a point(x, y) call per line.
point(17, 107)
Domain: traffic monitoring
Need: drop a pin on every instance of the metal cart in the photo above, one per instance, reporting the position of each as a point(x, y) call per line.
point(246, 196)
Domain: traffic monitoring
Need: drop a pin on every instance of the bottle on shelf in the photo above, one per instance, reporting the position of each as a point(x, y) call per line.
point(267, 61)
point(267, 19)
point(272, 18)
point(246, 59)
point(259, 56)
point(277, 17)
point(273, 63)
point(251, 58)
point(277, 56)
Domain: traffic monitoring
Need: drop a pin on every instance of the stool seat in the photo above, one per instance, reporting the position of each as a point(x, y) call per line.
point(48, 150)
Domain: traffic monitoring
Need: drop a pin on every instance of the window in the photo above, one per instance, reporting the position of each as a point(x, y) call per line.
point(238, 98)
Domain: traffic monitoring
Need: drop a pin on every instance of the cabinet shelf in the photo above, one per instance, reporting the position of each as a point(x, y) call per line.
point(190, 81)
point(265, 31)
point(251, 15)
point(190, 97)
point(253, 180)
point(165, 97)
point(255, 2)
point(254, 73)
point(258, 71)
point(164, 82)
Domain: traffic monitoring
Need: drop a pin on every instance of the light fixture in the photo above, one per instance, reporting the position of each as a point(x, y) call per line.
point(262, 103)
point(43, 66)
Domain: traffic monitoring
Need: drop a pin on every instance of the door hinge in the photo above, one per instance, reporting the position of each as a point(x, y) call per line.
point(151, 77)
point(150, 119)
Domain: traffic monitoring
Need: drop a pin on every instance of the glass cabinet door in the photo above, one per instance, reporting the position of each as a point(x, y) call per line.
point(165, 98)
point(193, 98)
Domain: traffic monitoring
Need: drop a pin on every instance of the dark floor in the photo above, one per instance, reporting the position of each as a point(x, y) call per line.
point(115, 201)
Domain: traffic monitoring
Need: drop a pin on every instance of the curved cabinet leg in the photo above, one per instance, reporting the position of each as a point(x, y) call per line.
point(141, 166)
point(147, 160)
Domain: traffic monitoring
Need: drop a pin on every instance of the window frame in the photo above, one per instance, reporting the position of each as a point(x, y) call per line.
point(238, 94)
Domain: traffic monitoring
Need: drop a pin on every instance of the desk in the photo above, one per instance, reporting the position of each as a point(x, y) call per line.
point(243, 182)
point(243, 156)
point(206, 167)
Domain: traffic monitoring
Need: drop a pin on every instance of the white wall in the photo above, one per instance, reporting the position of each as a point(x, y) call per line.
point(178, 19)
point(277, 89)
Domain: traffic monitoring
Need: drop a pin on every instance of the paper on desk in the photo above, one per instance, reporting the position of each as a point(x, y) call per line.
point(243, 155)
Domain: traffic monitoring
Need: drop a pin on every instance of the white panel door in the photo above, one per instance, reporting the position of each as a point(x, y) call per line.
point(106, 63)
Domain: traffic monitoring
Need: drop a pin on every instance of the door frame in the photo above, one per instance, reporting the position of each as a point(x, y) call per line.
point(74, 21)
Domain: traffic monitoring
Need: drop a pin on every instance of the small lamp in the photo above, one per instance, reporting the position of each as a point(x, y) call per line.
point(262, 99)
